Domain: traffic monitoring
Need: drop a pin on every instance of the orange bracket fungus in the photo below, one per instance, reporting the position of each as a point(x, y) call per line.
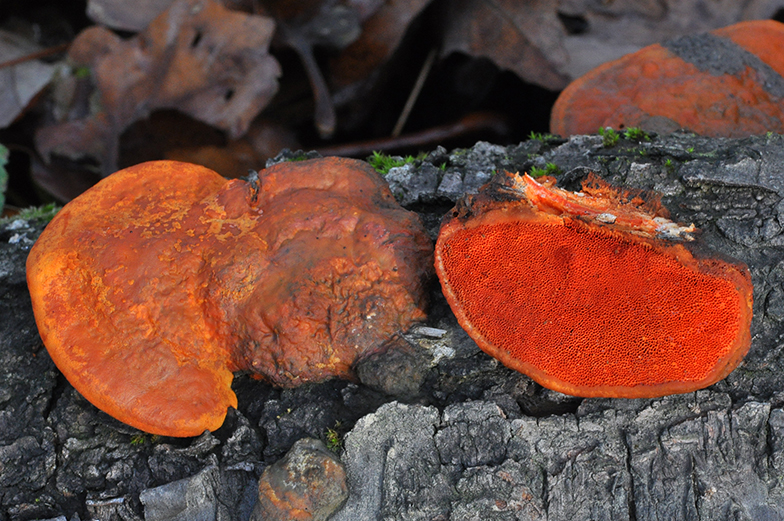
point(595, 293)
point(156, 284)
point(728, 82)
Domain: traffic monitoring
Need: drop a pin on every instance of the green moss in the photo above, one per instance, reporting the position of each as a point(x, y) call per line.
point(40, 213)
point(636, 134)
point(299, 155)
point(609, 136)
point(542, 136)
point(334, 438)
point(142, 438)
point(383, 163)
point(81, 72)
point(549, 169)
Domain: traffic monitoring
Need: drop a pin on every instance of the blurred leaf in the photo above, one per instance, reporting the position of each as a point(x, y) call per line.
point(381, 35)
point(62, 180)
point(302, 24)
point(305, 24)
point(3, 176)
point(263, 141)
point(197, 57)
point(19, 84)
point(124, 15)
point(523, 37)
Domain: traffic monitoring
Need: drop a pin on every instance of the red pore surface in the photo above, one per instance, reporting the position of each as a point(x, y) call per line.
point(152, 287)
point(586, 309)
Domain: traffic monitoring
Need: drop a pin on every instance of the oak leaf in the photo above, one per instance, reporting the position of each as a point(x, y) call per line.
point(197, 57)
point(20, 83)
point(383, 29)
point(128, 16)
point(523, 37)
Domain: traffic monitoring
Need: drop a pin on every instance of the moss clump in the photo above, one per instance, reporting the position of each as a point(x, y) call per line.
point(542, 136)
point(636, 134)
point(383, 163)
point(43, 213)
point(549, 169)
point(609, 136)
point(334, 438)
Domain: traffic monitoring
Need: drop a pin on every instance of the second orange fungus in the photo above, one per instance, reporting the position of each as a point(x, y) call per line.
point(728, 82)
point(592, 294)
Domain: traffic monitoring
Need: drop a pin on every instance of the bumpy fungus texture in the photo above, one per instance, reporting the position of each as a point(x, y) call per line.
point(592, 294)
point(152, 287)
point(724, 83)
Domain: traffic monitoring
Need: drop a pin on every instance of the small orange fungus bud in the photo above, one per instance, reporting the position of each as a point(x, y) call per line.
point(592, 293)
point(154, 286)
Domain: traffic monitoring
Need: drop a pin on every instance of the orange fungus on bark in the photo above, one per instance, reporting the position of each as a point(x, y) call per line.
point(592, 294)
point(728, 82)
point(156, 284)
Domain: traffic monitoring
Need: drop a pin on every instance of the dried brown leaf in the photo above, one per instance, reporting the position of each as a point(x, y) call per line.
point(19, 84)
point(381, 35)
point(62, 181)
point(365, 8)
point(523, 37)
point(306, 24)
point(197, 57)
point(551, 43)
point(128, 16)
point(263, 141)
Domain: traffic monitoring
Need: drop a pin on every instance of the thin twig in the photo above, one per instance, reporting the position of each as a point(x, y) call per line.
point(427, 138)
point(34, 56)
point(412, 97)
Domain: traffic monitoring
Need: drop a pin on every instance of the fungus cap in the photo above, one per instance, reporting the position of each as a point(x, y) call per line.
point(156, 284)
point(592, 294)
point(725, 83)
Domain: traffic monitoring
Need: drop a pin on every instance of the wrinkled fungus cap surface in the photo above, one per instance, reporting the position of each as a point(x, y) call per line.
point(592, 294)
point(156, 284)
